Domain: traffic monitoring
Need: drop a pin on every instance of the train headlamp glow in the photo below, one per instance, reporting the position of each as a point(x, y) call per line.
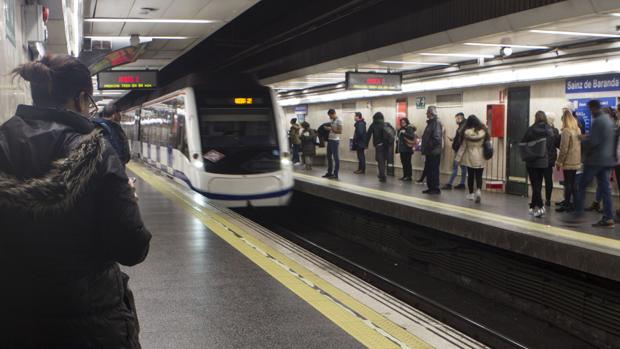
point(198, 164)
point(285, 162)
point(243, 100)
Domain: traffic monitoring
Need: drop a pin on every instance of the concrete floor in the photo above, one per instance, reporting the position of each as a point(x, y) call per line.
point(196, 291)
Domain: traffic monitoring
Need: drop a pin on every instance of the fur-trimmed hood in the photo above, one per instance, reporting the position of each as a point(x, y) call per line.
point(47, 138)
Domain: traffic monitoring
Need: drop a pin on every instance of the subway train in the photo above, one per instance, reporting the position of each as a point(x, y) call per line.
point(223, 137)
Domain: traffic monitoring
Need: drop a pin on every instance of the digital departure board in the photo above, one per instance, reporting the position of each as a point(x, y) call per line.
point(127, 80)
point(374, 81)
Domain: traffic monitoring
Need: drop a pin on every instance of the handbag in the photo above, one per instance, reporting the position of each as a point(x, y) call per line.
point(533, 150)
point(487, 148)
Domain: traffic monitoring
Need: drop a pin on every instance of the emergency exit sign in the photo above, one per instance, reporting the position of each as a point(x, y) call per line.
point(374, 81)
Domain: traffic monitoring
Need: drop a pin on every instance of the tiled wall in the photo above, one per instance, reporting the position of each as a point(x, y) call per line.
point(12, 92)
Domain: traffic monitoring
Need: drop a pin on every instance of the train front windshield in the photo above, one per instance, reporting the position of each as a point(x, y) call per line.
point(239, 139)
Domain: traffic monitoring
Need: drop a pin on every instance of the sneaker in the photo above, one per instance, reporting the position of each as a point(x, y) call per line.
point(460, 186)
point(327, 175)
point(407, 179)
point(401, 178)
point(419, 181)
point(595, 206)
point(539, 212)
point(470, 197)
point(605, 223)
point(334, 177)
point(358, 172)
point(478, 196)
point(560, 203)
point(530, 211)
point(564, 208)
point(447, 187)
point(382, 179)
point(432, 191)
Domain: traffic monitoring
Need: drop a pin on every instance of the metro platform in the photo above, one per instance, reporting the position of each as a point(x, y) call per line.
point(500, 220)
point(213, 279)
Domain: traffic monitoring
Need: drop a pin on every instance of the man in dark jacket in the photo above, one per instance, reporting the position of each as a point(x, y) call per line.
point(359, 142)
point(598, 159)
point(431, 148)
point(456, 144)
point(376, 131)
point(68, 216)
point(114, 133)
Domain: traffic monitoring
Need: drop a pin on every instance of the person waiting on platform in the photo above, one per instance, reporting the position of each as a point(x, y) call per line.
point(471, 155)
point(405, 145)
point(333, 144)
point(69, 216)
point(598, 197)
point(114, 133)
point(295, 141)
point(308, 144)
point(538, 142)
point(456, 144)
point(376, 131)
point(553, 156)
point(598, 160)
point(359, 142)
point(432, 143)
point(569, 159)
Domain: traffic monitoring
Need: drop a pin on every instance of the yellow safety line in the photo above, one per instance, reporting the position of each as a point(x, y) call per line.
point(362, 323)
point(601, 243)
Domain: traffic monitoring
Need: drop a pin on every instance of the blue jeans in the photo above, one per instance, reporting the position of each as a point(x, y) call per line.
point(455, 171)
point(333, 157)
point(296, 151)
point(602, 181)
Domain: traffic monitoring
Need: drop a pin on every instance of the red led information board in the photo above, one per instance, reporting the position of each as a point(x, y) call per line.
point(127, 80)
point(374, 81)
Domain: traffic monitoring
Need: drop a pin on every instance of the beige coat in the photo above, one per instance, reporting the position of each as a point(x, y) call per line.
point(570, 150)
point(471, 153)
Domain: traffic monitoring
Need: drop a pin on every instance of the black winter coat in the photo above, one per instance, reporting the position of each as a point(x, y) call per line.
point(536, 132)
point(359, 136)
point(68, 217)
point(432, 138)
point(376, 132)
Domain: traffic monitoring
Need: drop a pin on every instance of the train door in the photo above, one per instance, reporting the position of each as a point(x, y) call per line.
point(517, 123)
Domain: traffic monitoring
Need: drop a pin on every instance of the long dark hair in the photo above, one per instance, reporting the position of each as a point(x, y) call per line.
point(55, 80)
point(475, 123)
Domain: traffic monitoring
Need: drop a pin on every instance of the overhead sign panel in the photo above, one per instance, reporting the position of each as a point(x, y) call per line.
point(598, 83)
point(374, 81)
point(127, 80)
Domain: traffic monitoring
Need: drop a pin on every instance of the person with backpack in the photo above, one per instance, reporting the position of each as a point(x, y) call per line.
point(295, 141)
point(471, 154)
point(405, 145)
point(114, 133)
point(380, 139)
point(538, 142)
point(432, 143)
point(456, 144)
point(308, 144)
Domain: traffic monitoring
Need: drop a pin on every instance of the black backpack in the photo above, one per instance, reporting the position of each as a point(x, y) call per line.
point(389, 133)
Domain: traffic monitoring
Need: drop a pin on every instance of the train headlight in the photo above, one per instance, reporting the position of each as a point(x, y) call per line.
point(199, 164)
point(285, 162)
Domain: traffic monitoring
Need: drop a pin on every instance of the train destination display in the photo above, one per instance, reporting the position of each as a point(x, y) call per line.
point(374, 81)
point(127, 80)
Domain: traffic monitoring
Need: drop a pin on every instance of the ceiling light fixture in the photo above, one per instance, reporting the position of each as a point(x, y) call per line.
point(555, 32)
point(617, 14)
point(462, 55)
point(413, 63)
point(533, 47)
point(93, 37)
point(150, 20)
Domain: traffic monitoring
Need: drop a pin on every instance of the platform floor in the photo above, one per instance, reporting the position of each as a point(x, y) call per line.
point(513, 206)
point(195, 291)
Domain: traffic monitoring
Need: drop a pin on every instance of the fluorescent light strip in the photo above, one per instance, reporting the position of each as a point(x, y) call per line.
point(150, 20)
point(413, 63)
point(462, 55)
point(555, 32)
point(507, 76)
point(507, 45)
point(141, 37)
point(617, 14)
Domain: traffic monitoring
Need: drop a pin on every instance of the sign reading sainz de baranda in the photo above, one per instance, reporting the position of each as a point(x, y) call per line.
point(597, 83)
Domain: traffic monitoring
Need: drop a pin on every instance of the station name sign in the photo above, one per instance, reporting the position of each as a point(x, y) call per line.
point(374, 81)
point(127, 80)
point(598, 83)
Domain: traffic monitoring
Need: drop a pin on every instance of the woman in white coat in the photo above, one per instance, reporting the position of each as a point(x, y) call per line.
point(471, 155)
